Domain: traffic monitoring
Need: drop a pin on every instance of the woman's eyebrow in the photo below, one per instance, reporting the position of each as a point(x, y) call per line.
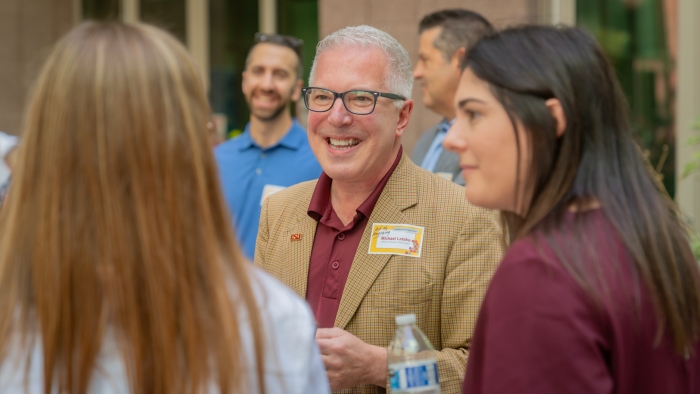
point(466, 101)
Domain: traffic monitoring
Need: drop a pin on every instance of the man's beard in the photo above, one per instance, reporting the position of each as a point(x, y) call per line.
point(284, 103)
point(275, 114)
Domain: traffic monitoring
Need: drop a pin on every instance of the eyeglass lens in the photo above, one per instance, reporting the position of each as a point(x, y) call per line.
point(356, 101)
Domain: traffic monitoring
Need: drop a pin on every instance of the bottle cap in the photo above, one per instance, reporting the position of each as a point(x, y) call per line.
point(402, 320)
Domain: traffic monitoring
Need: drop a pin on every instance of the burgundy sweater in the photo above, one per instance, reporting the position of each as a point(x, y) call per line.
point(540, 332)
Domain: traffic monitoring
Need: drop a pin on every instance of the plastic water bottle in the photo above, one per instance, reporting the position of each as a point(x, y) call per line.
point(412, 364)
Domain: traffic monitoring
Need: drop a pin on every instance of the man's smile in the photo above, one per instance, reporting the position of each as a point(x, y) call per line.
point(342, 143)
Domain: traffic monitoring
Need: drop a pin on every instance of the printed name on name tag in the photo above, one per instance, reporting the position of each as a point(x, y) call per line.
point(269, 190)
point(398, 239)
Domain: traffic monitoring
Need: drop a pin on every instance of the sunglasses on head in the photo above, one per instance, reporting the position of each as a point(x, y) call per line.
point(290, 42)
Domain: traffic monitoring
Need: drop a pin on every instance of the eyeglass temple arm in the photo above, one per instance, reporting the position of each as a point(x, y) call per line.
point(392, 96)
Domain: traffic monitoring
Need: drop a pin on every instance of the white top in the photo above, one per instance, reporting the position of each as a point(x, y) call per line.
point(292, 360)
point(7, 143)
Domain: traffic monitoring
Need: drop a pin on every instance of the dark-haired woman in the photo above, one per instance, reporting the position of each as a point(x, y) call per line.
point(599, 291)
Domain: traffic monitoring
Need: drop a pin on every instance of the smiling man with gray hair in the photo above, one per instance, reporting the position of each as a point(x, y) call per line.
point(376, 236)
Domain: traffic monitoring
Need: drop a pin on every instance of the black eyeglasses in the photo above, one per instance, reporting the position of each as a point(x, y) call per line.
point(358, 102)
point(290, 42)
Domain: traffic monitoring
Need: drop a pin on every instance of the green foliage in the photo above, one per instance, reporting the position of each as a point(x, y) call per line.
point(695, 246)
point(615, 42)
point(690, 168)
point(694, 164)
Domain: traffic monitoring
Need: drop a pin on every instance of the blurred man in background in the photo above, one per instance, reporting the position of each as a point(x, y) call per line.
point(445, 36)
point(273, 152)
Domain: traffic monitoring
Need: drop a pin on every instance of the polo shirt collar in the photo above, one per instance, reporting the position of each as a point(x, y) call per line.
point(293, 139)
point(321, 197)
point(446, 124)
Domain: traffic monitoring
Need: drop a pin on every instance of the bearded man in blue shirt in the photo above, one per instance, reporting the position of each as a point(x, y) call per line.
point(273, 152)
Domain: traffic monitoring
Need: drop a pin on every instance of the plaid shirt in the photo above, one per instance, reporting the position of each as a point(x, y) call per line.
point(443, 288)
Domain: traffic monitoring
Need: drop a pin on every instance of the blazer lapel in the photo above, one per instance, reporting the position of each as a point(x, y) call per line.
point(301, 240)
point(398, 195)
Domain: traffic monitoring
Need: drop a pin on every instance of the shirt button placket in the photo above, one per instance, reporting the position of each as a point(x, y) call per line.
point(335, 265)
point(258, 171)
point(341, 236)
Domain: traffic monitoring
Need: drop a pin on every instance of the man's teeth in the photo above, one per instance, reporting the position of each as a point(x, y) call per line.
point(347, 143)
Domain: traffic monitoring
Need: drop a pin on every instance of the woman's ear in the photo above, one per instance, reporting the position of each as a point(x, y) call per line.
point(555, 108)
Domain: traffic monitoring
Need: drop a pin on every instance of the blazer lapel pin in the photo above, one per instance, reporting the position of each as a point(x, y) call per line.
point(296, 237)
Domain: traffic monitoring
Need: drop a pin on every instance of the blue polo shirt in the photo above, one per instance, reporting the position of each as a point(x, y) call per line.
point(246, 170)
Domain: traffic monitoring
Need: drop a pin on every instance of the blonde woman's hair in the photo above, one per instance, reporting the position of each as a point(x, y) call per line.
point(115, 220)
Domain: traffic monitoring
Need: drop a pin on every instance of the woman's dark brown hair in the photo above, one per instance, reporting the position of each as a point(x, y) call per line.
point(595, 160)
point(115, 223)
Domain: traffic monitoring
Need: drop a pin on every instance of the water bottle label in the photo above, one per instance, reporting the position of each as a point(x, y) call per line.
point(414, 375)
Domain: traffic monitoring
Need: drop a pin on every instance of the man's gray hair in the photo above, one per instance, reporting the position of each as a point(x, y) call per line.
point(399, 76)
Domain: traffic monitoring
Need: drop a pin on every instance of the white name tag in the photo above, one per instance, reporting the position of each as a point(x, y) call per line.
point(398, 239)
point(268, 190)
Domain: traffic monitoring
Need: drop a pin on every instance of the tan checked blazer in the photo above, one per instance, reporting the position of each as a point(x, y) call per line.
point(444, 287)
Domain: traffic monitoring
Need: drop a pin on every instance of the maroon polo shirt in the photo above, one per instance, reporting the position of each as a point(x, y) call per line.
point(334, 247)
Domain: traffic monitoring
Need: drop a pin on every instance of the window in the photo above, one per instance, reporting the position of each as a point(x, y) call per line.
point(166, 14)
point(101, 9)
point(635, 35)
point(232, 29)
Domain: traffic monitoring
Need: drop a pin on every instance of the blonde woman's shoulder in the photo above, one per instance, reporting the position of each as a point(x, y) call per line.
point(292, 359)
